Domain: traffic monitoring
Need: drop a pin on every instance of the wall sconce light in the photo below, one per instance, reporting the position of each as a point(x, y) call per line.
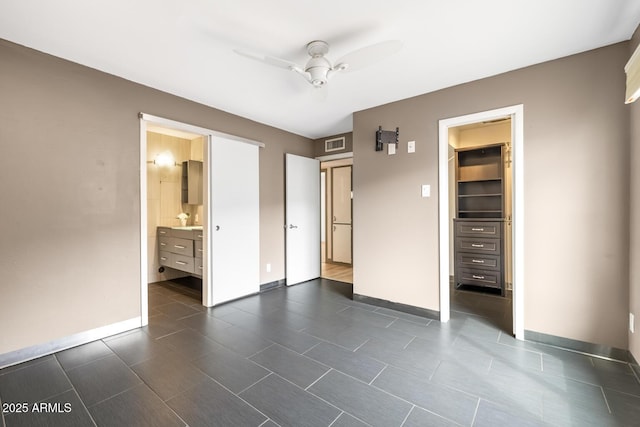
point(388, 136)
point(164, 159)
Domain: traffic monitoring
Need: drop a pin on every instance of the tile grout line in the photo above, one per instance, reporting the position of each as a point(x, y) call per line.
point(475, 413)
point(84, 405)
point(381, 371)
point(242, 391)
point(406, 417)
point(142, 382)
point(605, 400)
point(410, 341)
point(318, 379)
point(336, 419)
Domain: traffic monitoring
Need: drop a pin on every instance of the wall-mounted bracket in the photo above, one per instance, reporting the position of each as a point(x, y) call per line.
point(388, 136)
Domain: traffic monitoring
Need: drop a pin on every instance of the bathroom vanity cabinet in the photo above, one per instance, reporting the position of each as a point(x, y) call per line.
point(180, 248)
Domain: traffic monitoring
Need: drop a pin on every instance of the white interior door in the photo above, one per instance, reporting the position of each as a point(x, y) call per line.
point(235, 219)
point(303, 219)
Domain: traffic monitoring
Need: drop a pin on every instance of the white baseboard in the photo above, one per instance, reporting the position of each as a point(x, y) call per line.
point(39, 350)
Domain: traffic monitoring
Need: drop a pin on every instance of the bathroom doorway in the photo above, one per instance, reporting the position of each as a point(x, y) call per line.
point(175, 212)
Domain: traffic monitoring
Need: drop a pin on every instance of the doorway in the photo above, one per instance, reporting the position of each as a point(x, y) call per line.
point(515, 114)
point(480, 193)
point(336, 217)
point(230, 195)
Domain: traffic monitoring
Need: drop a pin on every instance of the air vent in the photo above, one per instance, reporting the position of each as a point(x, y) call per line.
point(334, 144)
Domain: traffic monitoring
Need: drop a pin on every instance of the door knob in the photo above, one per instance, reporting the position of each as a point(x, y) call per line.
point(292, 226)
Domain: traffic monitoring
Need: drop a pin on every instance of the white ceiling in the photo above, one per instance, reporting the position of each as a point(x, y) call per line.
point(186, 47)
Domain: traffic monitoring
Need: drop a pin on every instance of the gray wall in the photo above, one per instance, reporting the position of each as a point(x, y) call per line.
point(576, 148)
point(70, 178)
point(634, 279)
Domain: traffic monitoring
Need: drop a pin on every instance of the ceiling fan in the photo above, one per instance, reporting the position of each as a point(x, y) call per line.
point(319, 69)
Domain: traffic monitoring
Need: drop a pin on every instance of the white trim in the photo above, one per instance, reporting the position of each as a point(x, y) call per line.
point(39, 350)
point(207, 286)
point(144, 264)
point(517, 125)
point(195, 129)
point(334, 156)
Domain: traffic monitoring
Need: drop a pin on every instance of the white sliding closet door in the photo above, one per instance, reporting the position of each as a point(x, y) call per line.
point(235, 219)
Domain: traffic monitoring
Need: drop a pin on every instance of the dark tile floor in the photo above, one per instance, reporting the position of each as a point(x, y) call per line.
point(310, 356)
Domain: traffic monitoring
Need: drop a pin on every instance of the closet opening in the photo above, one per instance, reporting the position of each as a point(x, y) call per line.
point(486, 199)
point(480, 211)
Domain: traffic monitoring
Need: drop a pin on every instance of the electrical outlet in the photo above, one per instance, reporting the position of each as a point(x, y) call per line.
point(411, 147)
point(632, 323)
point(391, 148)
point(268, 268)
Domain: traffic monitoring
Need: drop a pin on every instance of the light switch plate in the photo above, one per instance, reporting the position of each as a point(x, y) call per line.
point(391, 149)
point(426, 190)
point(411, 147)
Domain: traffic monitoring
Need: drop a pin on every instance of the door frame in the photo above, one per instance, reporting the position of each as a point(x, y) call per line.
point(208, 134)
point(516, 112)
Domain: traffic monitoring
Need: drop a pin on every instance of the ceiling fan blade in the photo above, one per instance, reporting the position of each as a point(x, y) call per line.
point(269, 60)
point(369, 55)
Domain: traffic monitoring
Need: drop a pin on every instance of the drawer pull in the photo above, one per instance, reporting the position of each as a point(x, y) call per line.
point(200, 267)
point(200, 250)
point(163, 244)
point(477, 277)
point(181, 263)
point(477, 229)
point(476, 245)
point(163, 232)
point(163, 258)
point(478, 261)
point(200, 236)
point(179, 246)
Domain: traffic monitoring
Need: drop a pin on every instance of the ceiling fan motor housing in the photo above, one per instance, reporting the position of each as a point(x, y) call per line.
point(318, 66)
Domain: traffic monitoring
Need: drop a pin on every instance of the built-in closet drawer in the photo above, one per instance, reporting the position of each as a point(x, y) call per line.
point(481, 261)
point(480, 277)
point(478, 229)
point(478, 245)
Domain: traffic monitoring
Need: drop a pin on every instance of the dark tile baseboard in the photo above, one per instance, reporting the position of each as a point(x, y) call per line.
point(404, 308)
point(580, 346)
point(272, 285)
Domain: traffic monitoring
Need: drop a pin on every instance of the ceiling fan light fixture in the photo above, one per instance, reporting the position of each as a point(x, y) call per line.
point(318, 76)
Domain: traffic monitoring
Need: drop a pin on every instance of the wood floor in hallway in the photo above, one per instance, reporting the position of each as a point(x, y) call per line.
point(338, 272)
